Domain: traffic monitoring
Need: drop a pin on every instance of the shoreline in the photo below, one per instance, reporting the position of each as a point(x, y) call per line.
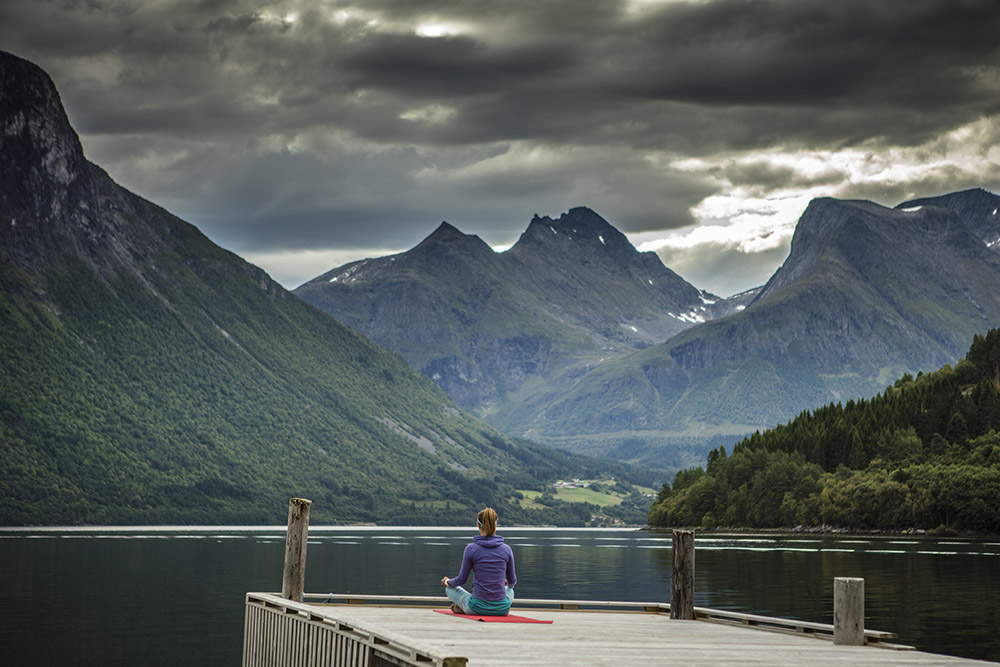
point(829, 531)
point(814, 531)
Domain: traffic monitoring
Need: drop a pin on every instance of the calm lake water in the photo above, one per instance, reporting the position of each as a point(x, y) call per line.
point(174, 596)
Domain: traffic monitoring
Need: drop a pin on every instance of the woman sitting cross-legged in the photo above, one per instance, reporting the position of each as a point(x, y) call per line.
point(492, 565)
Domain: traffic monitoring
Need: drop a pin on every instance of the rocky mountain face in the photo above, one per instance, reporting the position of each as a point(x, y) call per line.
point(585, 271)
point(149, 376)
point(867, 294)
point(570, 292)
point(44, 175)
point(977, 208)
point(428, 304)
point(910, 286)
point(574, 338)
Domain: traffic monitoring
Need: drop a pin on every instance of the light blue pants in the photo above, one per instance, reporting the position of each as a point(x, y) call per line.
point(473, 605)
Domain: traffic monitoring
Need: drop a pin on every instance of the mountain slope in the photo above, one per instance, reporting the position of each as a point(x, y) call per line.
point(150, 376)
point(586, 271)
point(866, 294)
point(447, 307)
point(878, 283)
point(486, 325)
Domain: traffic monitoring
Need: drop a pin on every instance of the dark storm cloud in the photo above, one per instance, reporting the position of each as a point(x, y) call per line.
point(450, 67)
point(811, 53)
point(838, 73)
point(899, 70)
point(297, 124)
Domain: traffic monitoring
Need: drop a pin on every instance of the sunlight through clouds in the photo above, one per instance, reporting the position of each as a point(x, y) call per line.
point(761, 194)
point(281, 124)
point(432, 113)
point(439, 29)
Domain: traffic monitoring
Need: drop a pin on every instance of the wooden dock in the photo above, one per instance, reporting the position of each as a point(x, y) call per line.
point(372, 631)
point(296, 629)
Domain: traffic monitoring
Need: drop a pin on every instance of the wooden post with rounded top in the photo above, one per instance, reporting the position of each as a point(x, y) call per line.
point(682, 576)
point(849, 611)
point(293, 582)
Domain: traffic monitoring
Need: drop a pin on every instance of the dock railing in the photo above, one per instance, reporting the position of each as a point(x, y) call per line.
point(283, 633)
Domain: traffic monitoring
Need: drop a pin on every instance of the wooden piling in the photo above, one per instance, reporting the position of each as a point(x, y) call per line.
point(682, 576)
point(849, 611)
point(294, 579)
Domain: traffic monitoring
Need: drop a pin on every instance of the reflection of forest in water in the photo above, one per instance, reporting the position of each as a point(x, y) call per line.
point(140, 591)
point(937, 595)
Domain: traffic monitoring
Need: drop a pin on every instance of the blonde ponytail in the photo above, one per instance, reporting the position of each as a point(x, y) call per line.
point(487, 520)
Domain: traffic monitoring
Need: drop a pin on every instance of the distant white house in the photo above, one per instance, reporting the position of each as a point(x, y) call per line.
point(575, 484)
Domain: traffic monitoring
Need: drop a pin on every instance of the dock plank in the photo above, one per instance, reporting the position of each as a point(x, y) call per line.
point(608, 638)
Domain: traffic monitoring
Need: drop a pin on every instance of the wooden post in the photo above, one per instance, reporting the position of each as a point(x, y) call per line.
point(293, 582)
point(849, 611)
point(682, 576)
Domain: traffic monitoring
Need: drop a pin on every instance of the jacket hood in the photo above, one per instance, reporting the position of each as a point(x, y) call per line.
point(490, 542)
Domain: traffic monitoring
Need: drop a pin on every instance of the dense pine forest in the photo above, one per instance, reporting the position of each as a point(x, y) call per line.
point(923, 454)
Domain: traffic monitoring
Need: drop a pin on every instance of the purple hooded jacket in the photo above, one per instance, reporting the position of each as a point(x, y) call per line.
point(491, 561)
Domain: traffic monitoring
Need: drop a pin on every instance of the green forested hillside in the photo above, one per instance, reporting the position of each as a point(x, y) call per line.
point(117, 408)
point(149, 376)
point(925, 453)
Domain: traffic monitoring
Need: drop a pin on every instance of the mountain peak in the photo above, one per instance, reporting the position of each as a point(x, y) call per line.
point(36, 132)
point(579, 225)
point(970, 195)
point(579, 220)
point(860, 235)
point(581, 215)
point(449, 237)
point(446, 229)
point(44, 177)
point(978, 209)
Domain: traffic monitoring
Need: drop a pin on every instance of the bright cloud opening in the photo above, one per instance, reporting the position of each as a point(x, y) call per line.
point(291, 267)
point(434, 113)
point(434, 29)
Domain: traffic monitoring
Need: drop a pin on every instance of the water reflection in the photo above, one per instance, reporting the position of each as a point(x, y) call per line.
point(175, 595)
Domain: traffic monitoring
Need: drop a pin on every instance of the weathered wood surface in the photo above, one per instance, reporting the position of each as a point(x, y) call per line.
point(849, 611)
point(595, 638)
point(819, 630)
point(293, 578)
point(522, 603)
point(682, 576)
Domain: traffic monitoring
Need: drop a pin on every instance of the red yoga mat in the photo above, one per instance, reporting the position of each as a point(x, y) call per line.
point(509, 618)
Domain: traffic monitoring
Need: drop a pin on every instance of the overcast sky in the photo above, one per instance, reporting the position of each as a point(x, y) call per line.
point(303, 134)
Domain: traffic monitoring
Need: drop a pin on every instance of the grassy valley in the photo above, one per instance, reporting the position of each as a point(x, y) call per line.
point(609, 502)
